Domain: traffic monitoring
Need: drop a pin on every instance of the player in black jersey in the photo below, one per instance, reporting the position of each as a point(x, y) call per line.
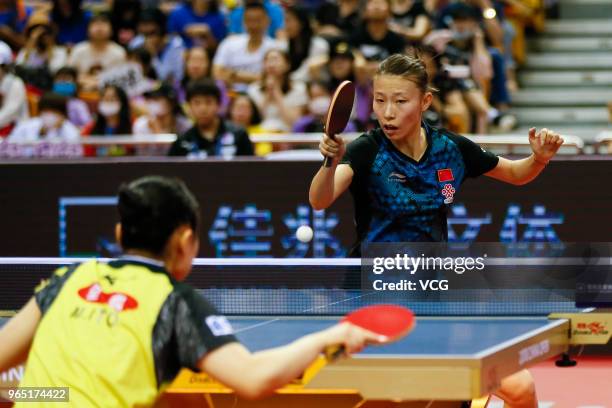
point(403, 175)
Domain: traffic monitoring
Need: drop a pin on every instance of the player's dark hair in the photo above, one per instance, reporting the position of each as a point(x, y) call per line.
point(151, 208)
point(410, 67)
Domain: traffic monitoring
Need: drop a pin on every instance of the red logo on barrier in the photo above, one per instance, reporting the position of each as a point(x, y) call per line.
point(118, 301)
point(591, 328)
point(445, 175)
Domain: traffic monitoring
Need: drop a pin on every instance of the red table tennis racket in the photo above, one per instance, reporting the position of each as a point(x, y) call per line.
point(391, 321)
point(339, 112)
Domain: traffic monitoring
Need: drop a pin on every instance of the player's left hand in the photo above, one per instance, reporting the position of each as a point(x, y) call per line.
point(544, 144)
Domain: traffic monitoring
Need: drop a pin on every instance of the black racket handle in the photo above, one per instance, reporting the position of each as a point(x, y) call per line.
point(333, 353)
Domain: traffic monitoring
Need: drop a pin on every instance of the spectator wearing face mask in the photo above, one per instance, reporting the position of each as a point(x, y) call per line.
point(320, 95)
point(114, 118)
point(65, 84)
point(114, 115)
point(164, 114)
point(52, 124)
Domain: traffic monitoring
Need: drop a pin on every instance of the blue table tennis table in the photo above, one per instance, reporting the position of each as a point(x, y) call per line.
point(458, 352)
point(463, 344)
point(445, 361)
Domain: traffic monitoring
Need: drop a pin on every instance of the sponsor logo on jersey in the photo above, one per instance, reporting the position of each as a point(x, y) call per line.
point(448, 192)
point(116, 300)
point(397, 177)
point(219, 325)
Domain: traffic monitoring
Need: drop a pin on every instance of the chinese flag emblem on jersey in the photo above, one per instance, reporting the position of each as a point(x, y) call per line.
point(445, 175)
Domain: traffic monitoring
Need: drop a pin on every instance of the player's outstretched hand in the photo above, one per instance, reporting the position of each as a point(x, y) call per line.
point(544, 144)
point(332, 148)
point(352, 337)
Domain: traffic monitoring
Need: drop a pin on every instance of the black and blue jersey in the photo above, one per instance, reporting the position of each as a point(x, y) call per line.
point(398, 199)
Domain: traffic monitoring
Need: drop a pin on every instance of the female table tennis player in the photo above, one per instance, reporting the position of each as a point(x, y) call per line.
point(403, 175)
point(115, 332)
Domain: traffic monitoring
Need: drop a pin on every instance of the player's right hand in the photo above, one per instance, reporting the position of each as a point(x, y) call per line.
point(353, 338)
point(332, 148)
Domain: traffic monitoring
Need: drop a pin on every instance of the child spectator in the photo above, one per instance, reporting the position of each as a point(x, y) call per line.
point(211, 135)
point(65, 84)
point(52, 124)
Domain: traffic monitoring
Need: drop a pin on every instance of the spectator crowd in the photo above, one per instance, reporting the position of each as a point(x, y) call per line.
point(214, 72)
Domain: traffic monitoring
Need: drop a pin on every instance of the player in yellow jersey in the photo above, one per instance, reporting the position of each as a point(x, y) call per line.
point(116, 332)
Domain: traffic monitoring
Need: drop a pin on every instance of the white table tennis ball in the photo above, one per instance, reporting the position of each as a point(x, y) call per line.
point(304, 233)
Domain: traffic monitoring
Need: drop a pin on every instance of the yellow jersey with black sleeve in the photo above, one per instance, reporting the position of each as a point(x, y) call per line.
point(114, 333)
